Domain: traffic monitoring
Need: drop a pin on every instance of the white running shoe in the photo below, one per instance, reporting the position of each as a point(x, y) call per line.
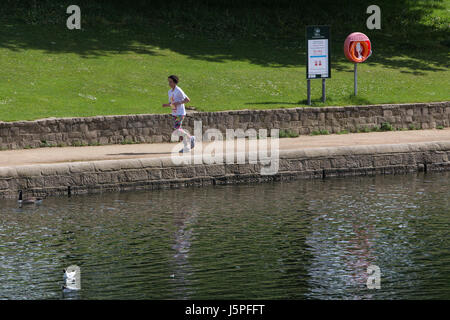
point(192, 142)
point(185, 150)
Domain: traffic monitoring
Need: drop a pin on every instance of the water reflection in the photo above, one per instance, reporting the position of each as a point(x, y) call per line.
point(185, 221)
point(306, 239)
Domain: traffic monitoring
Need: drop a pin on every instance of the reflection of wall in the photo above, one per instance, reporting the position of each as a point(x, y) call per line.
point(158, 127)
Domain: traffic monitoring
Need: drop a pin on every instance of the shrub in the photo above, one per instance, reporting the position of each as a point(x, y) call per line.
point(386, 126)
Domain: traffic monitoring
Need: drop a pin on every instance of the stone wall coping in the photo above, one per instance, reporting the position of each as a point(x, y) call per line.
point(366, 149)
point(52, 120)
point(25, 171)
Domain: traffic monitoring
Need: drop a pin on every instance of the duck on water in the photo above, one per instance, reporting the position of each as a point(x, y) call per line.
point(29, 200)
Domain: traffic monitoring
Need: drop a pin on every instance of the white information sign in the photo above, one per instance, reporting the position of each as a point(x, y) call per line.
point(318, 58)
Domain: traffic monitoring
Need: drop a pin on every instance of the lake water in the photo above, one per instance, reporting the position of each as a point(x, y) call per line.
point(304, 239)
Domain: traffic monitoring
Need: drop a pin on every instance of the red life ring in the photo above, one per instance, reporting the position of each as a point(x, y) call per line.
point(357, 47)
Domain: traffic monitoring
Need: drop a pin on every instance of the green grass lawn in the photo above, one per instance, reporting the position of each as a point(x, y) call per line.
point(50, 71)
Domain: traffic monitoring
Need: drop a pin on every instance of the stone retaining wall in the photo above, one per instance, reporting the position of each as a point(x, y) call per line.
point(158, 128)
point(155, 173)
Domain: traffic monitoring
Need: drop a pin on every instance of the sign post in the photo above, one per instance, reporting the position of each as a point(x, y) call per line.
point(323, 90)
point(318, 57)
point(308, 91)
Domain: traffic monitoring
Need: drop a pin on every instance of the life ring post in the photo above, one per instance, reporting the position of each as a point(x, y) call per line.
point(357, 48)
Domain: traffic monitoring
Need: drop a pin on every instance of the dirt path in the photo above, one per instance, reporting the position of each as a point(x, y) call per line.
point(111, 152)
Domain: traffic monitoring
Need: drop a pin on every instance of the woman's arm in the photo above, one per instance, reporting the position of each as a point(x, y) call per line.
point(167, 104)
point(185, 100)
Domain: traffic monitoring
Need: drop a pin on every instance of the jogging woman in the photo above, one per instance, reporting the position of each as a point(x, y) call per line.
point(177, 99)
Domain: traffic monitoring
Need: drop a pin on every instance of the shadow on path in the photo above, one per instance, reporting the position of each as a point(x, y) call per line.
point(136, 153)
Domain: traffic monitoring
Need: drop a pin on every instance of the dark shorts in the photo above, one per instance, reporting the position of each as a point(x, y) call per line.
point(177, 121)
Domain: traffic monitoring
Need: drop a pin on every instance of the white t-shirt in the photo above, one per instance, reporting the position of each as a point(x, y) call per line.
point(177, 95)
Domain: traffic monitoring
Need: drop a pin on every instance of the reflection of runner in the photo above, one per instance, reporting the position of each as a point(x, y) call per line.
point(185, 221)
point(177, 99)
